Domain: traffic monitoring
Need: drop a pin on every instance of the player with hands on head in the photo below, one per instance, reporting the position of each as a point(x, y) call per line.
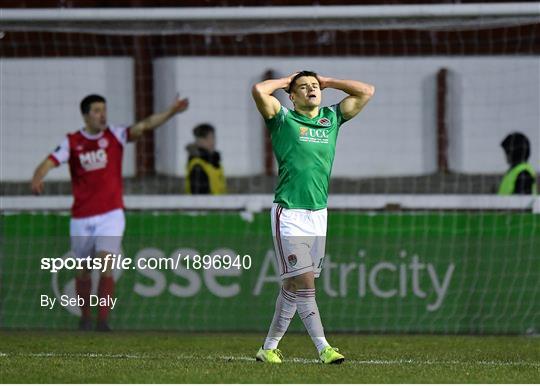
point(303, 141)
point(94, 154)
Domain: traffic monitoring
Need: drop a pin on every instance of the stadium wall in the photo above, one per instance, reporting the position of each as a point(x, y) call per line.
point(396, 134)
point(40, 104)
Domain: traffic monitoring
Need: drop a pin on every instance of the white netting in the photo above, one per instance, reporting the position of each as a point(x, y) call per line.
point(417, 241)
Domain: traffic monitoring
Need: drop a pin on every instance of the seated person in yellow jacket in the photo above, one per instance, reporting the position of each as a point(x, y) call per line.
point(521, 177)
point(204, 173)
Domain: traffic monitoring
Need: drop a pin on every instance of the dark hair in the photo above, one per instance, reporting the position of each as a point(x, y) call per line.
point(299, 75)
point(202, 130)
point(517, 147)
point(87, 101)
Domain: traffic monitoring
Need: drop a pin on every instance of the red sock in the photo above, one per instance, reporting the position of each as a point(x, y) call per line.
point(106, 288)
point(83, 286)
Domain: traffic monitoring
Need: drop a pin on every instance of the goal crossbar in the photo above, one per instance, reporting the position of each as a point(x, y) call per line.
point(210, 20)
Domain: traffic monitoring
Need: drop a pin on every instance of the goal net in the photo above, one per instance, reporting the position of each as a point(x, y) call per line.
point(418, 240)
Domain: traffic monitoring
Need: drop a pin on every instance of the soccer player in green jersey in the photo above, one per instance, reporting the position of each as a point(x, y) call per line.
point(304, 142)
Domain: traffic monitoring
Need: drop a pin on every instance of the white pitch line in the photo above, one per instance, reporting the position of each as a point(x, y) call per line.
point(251, 359)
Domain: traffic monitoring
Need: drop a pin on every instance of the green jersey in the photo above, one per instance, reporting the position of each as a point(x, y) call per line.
point(304, 148)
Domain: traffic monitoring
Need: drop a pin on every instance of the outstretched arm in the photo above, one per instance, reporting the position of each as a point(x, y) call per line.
point(262, 92)
point(359, 94)
point(155, 120)
point(40, 173)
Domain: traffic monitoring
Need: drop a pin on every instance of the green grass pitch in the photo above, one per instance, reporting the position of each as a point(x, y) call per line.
point(159, 357)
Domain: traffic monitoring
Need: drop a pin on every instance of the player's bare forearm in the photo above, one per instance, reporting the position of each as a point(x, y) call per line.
point(155, 120)
point(39, 174)
point(359, 94)
point(352, 87)
point(150, 123)
point(268, 87)
point(262, 92)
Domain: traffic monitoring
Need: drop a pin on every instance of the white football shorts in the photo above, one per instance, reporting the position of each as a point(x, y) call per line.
point(100, 233)
point(299, 240)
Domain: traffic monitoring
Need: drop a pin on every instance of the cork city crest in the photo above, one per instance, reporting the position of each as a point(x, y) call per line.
point(292, 260)
point(324, 122)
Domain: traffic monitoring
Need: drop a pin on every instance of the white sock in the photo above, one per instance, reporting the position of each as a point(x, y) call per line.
point(309, 313)
point(285, 310)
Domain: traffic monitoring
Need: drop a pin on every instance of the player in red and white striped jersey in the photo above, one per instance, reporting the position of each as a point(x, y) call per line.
point(94, 155)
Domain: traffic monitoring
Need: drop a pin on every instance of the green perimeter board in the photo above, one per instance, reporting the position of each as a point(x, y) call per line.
point(461, 272)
